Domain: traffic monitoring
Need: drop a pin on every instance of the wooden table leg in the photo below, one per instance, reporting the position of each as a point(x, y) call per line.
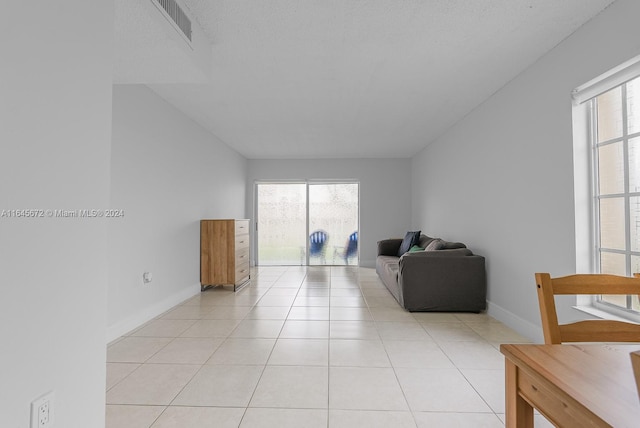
point(519, 413)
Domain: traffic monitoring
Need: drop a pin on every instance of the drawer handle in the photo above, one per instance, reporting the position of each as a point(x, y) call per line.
point(534, 388)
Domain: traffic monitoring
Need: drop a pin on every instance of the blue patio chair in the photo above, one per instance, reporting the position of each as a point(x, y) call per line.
point(317, 244)
point(349, 250)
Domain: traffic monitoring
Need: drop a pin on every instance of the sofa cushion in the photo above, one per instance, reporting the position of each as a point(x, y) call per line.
point(424, 240)
point(436, 244)
point(446, 245)
point(415, 248)
point(458, 252)
point(410, 239)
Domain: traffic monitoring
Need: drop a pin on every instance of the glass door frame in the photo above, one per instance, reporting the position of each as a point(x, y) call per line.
point(307, 183)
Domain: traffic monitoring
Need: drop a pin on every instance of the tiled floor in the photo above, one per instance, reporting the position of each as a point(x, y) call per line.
point(308, 347)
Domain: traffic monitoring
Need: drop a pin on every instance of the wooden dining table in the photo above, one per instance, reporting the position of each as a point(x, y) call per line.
point(571, 385)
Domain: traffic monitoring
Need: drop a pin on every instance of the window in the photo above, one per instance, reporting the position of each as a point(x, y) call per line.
point(307, 223)
point(614, 125)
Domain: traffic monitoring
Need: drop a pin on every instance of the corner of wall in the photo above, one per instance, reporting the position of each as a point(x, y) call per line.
point(522, 326)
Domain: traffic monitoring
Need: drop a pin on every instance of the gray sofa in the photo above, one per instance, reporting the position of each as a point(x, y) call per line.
point(449, 279)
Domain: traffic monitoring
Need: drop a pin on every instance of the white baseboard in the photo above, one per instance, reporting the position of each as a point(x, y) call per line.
point(367, 263)
point(522, 326)
point(122, 327)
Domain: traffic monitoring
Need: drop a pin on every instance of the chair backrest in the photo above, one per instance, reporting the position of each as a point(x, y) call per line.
point(635, 363)
point(589, 330)
point(317, 240)
point(352, 245)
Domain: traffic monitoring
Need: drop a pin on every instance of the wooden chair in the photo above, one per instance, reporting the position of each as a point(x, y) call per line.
point(589, 330)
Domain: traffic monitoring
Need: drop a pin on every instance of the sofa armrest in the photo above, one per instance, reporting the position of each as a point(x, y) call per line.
point(444, 280)
point(389, 247)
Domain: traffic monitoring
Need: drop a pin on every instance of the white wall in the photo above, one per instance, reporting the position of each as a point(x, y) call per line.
point(55, 128)
point(385, 195)
point(167, 174)
point(501, 180)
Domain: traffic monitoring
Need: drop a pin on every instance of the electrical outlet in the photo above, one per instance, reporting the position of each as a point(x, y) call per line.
point(42, 411)
point(147, 277)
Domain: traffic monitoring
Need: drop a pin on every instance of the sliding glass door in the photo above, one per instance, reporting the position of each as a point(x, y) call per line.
point(333, 209)
point(281, 222)
point(307, 223)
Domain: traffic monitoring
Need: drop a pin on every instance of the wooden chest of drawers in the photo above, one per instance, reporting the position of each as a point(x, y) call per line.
point(224, 253)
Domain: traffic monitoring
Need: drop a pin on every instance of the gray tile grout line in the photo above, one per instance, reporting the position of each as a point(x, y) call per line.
point(264, 368)
point(436, 342)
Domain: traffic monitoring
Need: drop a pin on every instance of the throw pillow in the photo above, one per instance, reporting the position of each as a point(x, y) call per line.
point(410, 239)
point(436, 244)
point(415, 248)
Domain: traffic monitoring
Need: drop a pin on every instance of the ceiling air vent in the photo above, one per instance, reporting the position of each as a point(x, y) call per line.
point(174, 13)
